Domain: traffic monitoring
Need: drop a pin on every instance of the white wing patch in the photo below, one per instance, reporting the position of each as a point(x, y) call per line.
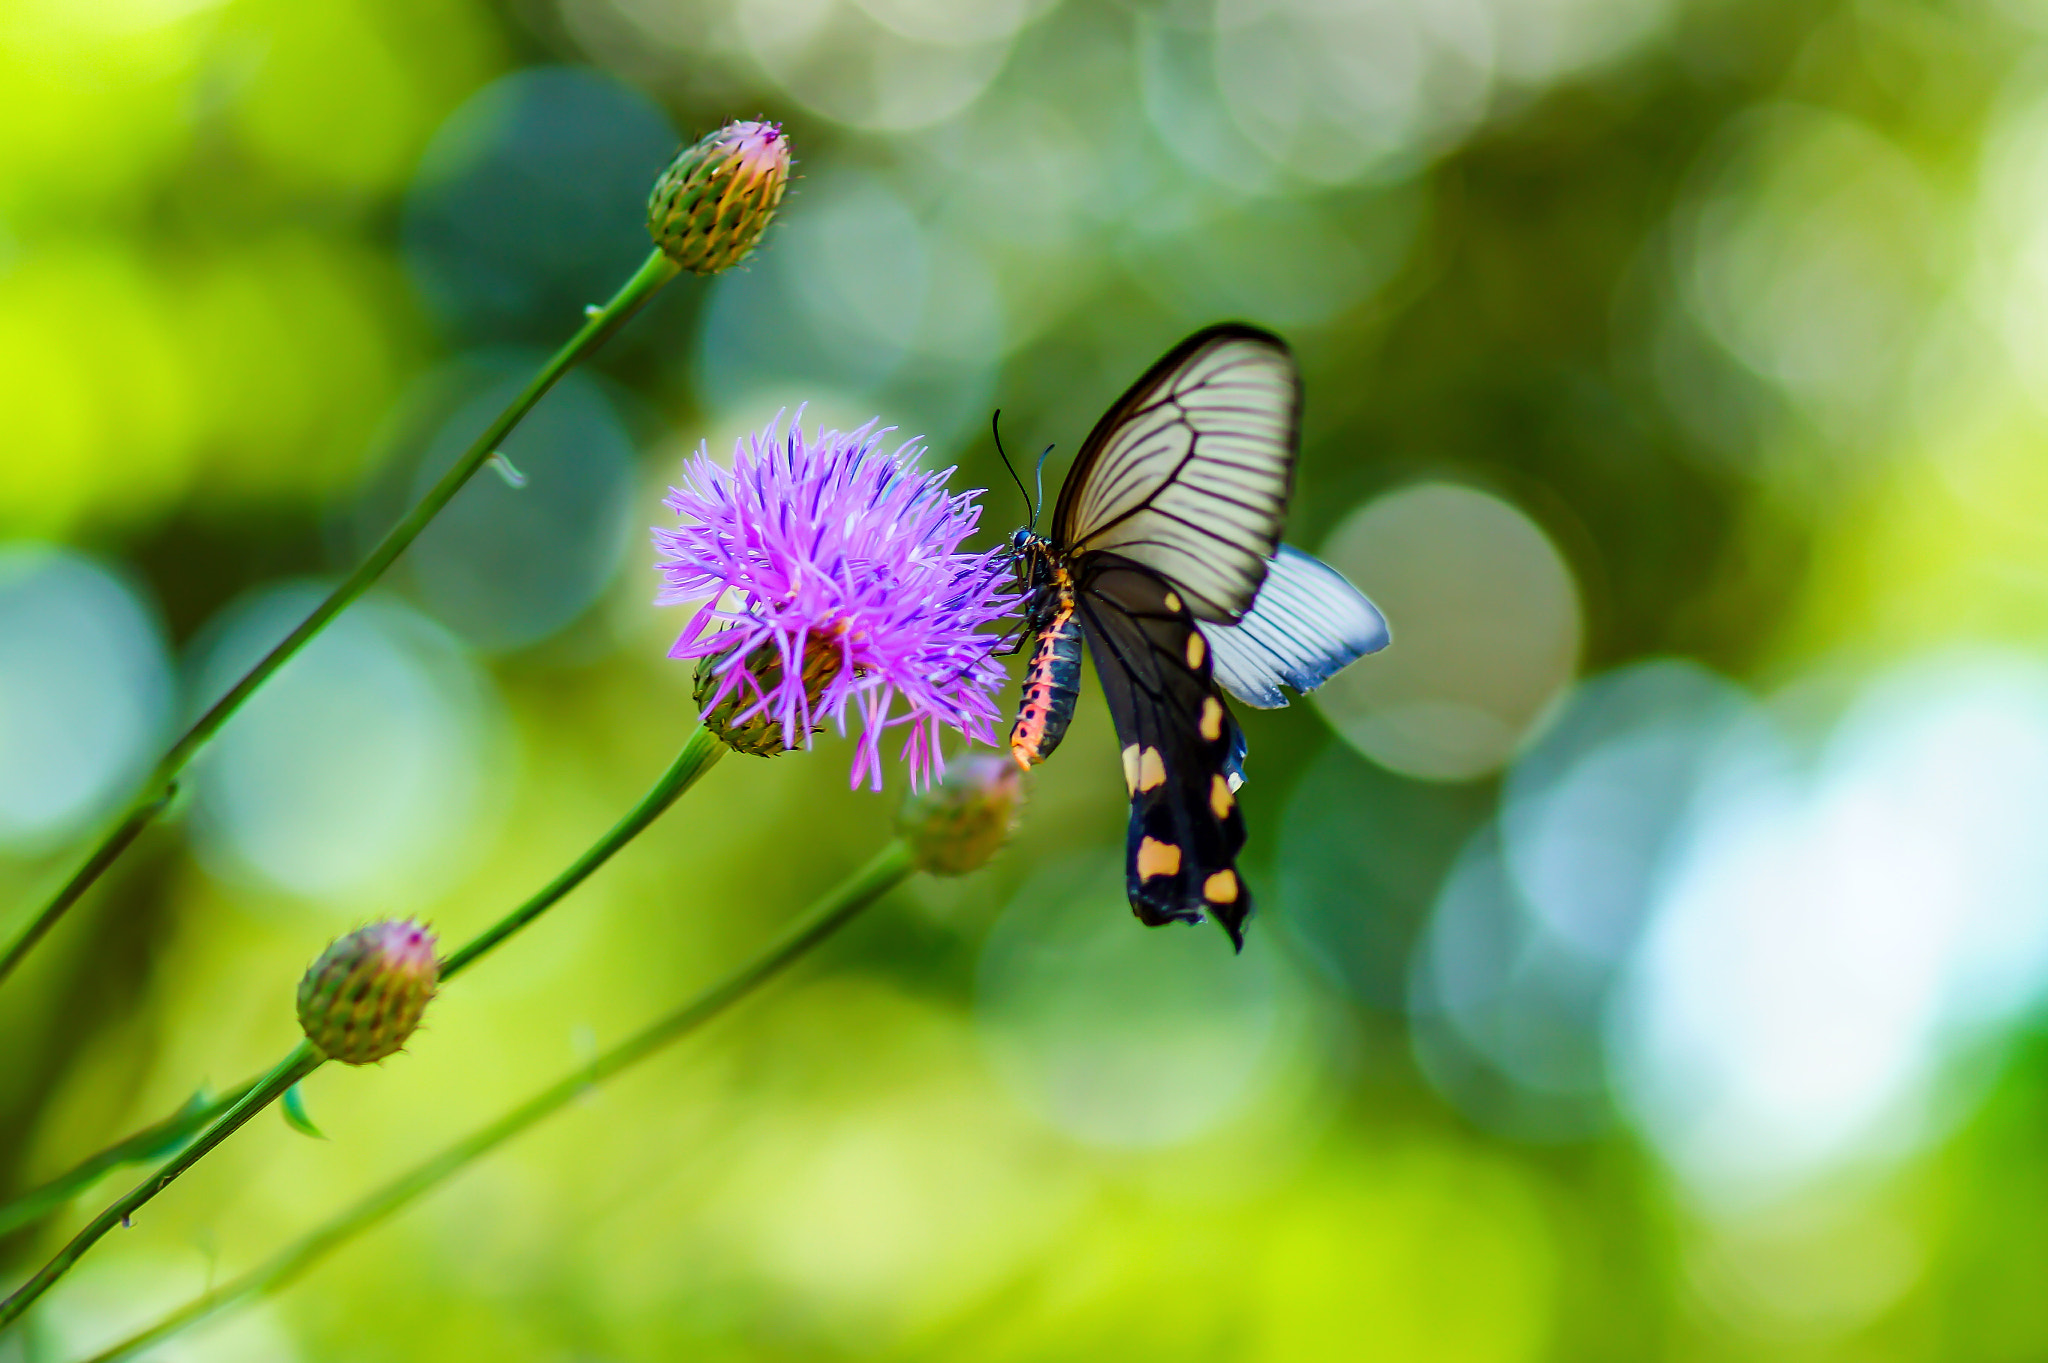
point(1192, 478)
point(1306, 625)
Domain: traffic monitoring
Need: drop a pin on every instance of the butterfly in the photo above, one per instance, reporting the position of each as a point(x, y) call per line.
point(1164, 559)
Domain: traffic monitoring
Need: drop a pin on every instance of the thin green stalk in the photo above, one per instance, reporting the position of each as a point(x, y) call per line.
point(833, 912)
point(162, 1138)
point(155, 794)
point(301, 1062)
point(700, 751)
point(150, 803)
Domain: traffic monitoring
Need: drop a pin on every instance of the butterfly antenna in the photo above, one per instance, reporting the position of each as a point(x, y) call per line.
point(996, 425)
point(1039, 474)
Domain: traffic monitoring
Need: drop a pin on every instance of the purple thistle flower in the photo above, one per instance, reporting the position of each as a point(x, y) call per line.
point(831, 580)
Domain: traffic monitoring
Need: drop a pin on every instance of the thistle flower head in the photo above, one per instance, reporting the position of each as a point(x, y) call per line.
point(830, 579)
point(957, 825)
point(715, 199)
point(363, 998)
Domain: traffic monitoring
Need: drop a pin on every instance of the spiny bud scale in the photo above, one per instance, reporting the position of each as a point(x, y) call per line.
point(363, 998)
point(715, 199)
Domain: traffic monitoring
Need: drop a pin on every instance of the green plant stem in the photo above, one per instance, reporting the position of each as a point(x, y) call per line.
point(700, 751)
point(150, 803)
point(833, 912)
point(303, 1060)
point(161, 1138)
point(155, 794)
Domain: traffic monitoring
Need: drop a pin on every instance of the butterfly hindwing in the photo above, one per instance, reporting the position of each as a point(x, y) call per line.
point(1188, 474)
point(1182, 750)
point(1306, 626)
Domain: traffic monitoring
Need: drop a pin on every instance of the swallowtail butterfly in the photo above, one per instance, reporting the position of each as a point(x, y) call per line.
point(1164, 555)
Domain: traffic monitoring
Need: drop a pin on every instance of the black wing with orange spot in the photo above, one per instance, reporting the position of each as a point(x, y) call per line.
point(1182, 750)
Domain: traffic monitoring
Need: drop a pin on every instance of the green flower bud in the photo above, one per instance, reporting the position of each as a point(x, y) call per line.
point(762, 733)
point(363, 998)
point(715, 199)
point(957, 825)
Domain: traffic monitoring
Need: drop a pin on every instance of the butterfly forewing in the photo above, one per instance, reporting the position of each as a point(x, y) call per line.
point(1182, 751)
point(1306, 626)
point(1188, 474)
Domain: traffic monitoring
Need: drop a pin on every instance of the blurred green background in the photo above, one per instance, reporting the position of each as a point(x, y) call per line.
point(1651, 943)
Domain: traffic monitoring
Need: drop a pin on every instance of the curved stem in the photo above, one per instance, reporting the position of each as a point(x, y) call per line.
point(700, 751)
point(833, 912)
point(655, 272)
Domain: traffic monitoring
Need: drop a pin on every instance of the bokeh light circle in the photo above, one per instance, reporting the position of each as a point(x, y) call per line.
point(2012, 285)
point(1540, 40)
point(1589, 812)
point(881, 65)
point(1810, 258)
point(530, 202)
point(862, 300)
point(1120, 1035)
point(508, 566)
point(1334, 92)
point(1486, 623)
point(85, 691)
point(860, 266)
point(1505, 1015)
point(356, 775)
point(1831, 933)
point(1511, 981)
point(1283, 261)
point(1361, 854)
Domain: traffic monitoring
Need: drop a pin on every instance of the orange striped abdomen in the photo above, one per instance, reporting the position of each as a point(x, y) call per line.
point(1051, 686)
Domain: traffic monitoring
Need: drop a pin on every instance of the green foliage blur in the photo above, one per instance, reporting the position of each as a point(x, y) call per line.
point(1702, 331)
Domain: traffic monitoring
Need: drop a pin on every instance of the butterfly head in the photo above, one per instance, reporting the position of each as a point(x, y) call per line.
point(1031, 558)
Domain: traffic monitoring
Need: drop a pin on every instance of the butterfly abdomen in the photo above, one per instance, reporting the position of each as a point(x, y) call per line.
point(1051, 685)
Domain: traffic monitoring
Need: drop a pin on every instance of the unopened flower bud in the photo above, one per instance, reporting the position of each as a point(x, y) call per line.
point(363, 998)
point(715, 199)
point(769, 730)
point(957, 825)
